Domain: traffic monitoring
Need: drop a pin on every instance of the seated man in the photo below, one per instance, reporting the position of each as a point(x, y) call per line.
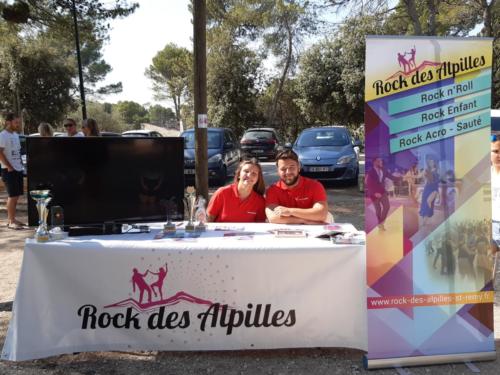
point(295, 199)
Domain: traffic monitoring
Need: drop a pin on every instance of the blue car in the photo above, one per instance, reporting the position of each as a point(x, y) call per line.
point(223, 155)
point(328, 153)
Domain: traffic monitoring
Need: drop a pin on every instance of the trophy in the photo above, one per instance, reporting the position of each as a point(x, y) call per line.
point(201, 214)
point(42, 198)
point(170, 207)
point(190, 200)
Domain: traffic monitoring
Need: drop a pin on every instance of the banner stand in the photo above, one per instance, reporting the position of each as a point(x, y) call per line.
point(372, 364)
point(428, 200)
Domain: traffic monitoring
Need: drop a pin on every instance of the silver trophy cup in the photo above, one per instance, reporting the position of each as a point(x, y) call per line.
point(42, 199)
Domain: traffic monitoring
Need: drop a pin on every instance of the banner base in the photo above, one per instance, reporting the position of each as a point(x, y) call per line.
point(371, 364)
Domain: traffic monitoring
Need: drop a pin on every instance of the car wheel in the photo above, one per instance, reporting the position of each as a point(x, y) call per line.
point(223, 176)
point(354, 180)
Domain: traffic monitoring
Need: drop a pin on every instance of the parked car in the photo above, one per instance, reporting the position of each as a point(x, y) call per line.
point(141, 133)
point(110, 134)
point(56, 134)
point(262, 143)
point(223, 154)
point(327, 153)
point(495, 120)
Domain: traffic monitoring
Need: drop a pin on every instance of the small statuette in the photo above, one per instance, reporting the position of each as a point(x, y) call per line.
point(190, 200)
point(201, 214)
point(169, 228)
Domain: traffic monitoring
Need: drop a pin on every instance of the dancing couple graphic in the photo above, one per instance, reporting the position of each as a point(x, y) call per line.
point(407, 63)
point(138, 279)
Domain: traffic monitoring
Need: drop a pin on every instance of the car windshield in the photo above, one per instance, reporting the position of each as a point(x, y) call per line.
point(258, 134)
point(330, 137)
point(213, 139)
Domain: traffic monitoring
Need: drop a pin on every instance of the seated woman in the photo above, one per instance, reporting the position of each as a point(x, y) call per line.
point(242, 201)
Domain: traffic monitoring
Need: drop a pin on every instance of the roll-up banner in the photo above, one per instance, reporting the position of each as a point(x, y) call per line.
point(428, 200)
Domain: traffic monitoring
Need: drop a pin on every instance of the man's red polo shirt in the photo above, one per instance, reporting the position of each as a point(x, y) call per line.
point(303, 195)
point(226, 206)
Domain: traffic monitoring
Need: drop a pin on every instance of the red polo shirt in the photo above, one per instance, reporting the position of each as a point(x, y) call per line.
point(303, 195)
point(226, 206)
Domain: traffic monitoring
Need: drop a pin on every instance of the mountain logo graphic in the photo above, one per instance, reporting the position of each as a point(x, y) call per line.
point(151, 294)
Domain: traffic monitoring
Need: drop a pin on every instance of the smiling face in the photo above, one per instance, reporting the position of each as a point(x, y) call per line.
point(288, 171)
point(249, 175)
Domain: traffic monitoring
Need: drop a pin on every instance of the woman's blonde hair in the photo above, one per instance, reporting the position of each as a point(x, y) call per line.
point(260, 186)
point(45, 129)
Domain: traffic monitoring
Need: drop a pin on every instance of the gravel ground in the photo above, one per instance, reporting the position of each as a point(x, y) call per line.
point(347, 204)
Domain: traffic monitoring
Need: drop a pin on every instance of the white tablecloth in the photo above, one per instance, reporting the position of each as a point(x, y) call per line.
point(239, 287)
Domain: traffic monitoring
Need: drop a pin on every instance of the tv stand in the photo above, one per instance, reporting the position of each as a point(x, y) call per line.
point(95, 230)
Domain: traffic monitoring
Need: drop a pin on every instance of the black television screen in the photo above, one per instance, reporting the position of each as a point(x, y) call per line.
point(105, 179)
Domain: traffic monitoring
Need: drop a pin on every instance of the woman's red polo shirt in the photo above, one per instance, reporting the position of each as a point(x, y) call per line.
point(226, 206)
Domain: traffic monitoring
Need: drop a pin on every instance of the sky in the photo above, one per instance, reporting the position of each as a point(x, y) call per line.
point(136, 39)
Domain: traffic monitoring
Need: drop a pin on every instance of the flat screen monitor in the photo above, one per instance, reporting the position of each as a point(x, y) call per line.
point(108, 179)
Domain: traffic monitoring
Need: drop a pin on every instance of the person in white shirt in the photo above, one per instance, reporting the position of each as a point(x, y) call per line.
point(71, 129)
point(12, 167)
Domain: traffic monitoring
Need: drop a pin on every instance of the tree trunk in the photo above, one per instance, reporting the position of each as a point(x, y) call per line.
point(283, 77)
point(432, 5)
point(412, 12)
point(488, 27)
point(177, 108)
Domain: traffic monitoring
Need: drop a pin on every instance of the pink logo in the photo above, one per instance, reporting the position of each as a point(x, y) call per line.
point(151, 294)
point(407, 61)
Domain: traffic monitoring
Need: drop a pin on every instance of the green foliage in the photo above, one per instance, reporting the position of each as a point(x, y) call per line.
point(45, 45)
point(35, 78)
point(495, 22)
point(107, 118)
point(171, 72)
point(132, 113)
point(289, 117)
point(233, 71)
point(161, 116)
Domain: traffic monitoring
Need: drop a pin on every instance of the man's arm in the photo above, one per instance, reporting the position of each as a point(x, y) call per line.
point(317, 214)
point(4, 160)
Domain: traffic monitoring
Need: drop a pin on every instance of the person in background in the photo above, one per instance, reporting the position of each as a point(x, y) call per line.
point(45, 130)
point(431, 189)
point(295, 199)
point(90, 128)
point(70, 127)
point(243, 200)
point(375, 185)
point(12, 167)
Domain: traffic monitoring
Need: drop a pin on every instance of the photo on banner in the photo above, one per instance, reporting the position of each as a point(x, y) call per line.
point(428, 200)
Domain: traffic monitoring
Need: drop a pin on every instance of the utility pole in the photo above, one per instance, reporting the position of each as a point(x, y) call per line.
point(200, 96)
point(79, 60)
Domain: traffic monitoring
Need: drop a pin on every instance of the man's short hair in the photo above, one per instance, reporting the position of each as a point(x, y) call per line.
point(9, 116)
point(287, 154)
